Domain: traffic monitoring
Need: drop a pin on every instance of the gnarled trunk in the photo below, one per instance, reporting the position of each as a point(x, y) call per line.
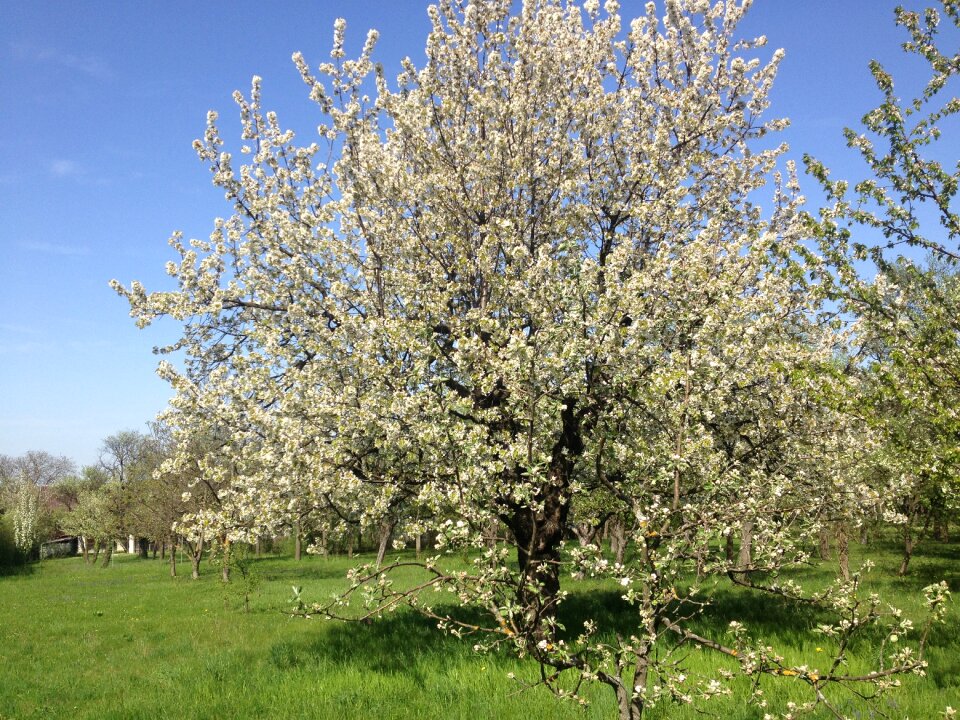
point(745, 558)
point(539, 530)
point(629, 708)
point(538, 556)
point(386, 531)
point(824, 545)
point(587, 533)
point(843, 551)
point(618, 539)
point(538, 534)
point(196, 554)
point(908, 545)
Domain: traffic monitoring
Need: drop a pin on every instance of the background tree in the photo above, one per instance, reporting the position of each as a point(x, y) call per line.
point(906, 324)
point(26, 483)
point(912, 386)
point(95, 522)
point(193, 488)
point(129, 458)
point(38, 467)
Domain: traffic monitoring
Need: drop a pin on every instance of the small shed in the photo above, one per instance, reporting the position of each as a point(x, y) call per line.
point(60, 547)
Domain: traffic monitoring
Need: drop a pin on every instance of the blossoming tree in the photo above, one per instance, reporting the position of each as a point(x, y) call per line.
point(530, 272)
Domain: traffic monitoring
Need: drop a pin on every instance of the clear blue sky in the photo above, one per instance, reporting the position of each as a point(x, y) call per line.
point(99, 105)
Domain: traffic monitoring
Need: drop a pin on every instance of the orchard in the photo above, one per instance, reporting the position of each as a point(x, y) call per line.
point(557, 278)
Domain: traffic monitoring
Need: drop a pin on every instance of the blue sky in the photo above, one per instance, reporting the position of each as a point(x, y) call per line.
point(99, 105)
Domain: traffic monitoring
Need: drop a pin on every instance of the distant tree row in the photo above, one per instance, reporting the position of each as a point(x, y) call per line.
point(44, 498)
point(128, 498)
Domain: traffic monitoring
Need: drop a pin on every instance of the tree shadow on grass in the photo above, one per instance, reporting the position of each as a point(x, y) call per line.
point(944, 661)
point(399, 640)
point(944, 555)
point(930, 568)
point(410, 644)
point(935, 549)
point(782, 623)
point(763, 614)
point(402, 643)
point(405, 641)
point(11, 570)
point(270, 570)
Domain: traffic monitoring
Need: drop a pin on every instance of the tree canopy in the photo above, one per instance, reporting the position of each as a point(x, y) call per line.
point(557, 260)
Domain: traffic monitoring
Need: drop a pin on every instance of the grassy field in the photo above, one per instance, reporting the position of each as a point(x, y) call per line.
point(128, 641)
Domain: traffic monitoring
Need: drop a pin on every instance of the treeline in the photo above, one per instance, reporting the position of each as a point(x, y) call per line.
point(128, 502)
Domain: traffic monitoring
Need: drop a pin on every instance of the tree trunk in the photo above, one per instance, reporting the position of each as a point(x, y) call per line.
point(492, 529)
point(843, 551)
point(702, 549)
point(173, 557)
point(96, 552)
point(386, 530)
point(86, 550)
point(624, 680)
point(196, 554)
point(628, 707)
point(108, 553)
point(908, 546)
point(297, 542)
point(349, 543)
point(225, 568)
point(618, 539)
point(539, 528)
point(324, 542)
point(586, 533)
point(419, 544)
point(824, 545)
point(745, 558)
point(538, 534)
point(941, 527)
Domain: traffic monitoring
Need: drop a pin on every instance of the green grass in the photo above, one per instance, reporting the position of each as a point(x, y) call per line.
point(130, 642)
